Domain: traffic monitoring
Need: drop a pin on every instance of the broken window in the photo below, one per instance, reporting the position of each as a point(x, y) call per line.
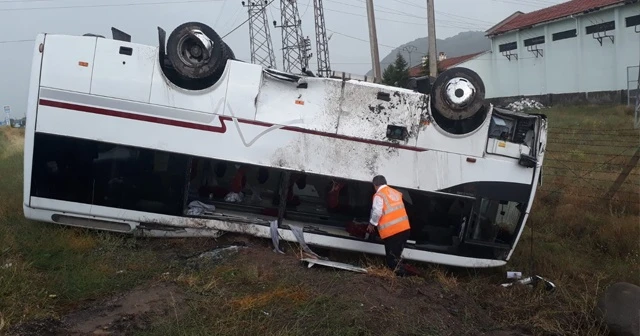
point(495, 221)
point(397, 132)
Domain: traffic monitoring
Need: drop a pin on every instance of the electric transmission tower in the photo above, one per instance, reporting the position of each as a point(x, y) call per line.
point(410, 49)
point(260, 34)
point(295, 48)
point(322, 45)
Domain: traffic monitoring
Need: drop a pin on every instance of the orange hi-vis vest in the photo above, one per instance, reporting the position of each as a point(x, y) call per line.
point(394, 217)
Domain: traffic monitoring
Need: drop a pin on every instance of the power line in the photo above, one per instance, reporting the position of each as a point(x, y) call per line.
point(530, 3)
point(107, 5)
point(360, 39)
point(245, 21)
point(405, 22)
point(16, 41)
point(401, 13)
point(9, 1)
point(440, 12)
point(215, 23)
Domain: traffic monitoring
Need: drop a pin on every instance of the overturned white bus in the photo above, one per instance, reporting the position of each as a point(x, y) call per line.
point(184, 140)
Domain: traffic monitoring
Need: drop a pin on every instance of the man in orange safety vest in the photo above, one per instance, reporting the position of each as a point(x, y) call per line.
point(389, 216)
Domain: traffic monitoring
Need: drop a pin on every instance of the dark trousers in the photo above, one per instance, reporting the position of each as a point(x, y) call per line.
point(393, 247)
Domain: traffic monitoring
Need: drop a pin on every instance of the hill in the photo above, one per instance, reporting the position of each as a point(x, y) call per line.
point(462, 44)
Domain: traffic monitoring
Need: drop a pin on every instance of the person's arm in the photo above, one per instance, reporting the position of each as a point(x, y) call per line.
point(376, 211)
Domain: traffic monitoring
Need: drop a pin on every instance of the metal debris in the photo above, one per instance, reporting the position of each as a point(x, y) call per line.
point(221, 252)
point(532, 281)
point(275, 237)
point(525, 104)
point(334, 264)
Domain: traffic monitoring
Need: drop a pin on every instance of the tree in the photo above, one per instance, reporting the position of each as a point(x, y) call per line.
point(396, 74)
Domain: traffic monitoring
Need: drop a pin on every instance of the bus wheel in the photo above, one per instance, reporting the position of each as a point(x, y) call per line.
point(195, 50)
point(458, 93)
point(457, 100)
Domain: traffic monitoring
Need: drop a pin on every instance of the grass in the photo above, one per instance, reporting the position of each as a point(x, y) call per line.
point(46, 270)
point(581, 241)
point(576, 237)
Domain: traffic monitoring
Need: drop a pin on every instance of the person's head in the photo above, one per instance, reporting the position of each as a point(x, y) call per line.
point(378, 181)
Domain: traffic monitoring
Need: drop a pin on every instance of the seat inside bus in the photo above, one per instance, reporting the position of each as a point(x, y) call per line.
point(321, 203)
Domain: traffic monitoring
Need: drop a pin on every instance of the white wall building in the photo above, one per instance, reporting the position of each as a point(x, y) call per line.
point(580, 46)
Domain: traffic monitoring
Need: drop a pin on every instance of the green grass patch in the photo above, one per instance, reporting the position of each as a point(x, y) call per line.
point(581, 242)
point(47, 269)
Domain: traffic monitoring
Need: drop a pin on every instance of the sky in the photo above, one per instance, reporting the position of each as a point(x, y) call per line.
point(397, 22)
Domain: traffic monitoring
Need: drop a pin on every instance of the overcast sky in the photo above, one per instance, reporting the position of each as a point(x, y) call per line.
point(398, 22)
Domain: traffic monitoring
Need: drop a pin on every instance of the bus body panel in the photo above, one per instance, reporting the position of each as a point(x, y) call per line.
point(123, 71)
point(245, 142)
point(67, 62)
point(116, 92)
point(44, 209)
point(536, 178)
point(31, 115)
point(350, 108)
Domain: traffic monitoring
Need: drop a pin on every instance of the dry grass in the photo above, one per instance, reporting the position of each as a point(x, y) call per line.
point(46, 270)
point(282, 296)
point(575, 238)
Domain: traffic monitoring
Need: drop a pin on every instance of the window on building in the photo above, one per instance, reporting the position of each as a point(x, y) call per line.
point(601, 27)
point(632, 21)
point(508, 46)
point(564, 35)
point(534, 41)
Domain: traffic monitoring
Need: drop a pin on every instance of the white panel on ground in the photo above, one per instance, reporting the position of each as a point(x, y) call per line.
point(334, 264)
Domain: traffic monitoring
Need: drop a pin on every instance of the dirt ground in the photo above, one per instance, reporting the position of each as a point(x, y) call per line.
point(425, 300)
point(122, 314)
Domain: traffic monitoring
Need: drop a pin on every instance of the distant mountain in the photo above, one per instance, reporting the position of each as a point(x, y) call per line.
point(462, 44)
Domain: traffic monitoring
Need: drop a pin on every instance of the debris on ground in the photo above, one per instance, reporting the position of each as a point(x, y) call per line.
point(532, 281)
point(525, 104)
point(222, 252)
point(334, 264)
point(514, 275)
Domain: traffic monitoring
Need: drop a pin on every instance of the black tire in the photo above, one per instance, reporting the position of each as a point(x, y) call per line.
point(442, 105)
point(180, 60)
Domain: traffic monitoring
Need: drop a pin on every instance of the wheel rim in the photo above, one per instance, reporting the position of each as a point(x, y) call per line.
point(195, 48)
point(459, 93)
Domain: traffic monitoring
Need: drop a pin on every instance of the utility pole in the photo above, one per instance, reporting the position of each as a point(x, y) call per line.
point(637, 110)
point(409, 49)
point(373, 41)
point(260, 34)
point(295, 47)
point(322, 44)
point(433, 60)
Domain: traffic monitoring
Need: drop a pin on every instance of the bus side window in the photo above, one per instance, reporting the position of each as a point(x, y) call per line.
point(496, 221)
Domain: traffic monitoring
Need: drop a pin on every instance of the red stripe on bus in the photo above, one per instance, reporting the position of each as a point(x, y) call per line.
point(216, 129)
point(133, 116)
